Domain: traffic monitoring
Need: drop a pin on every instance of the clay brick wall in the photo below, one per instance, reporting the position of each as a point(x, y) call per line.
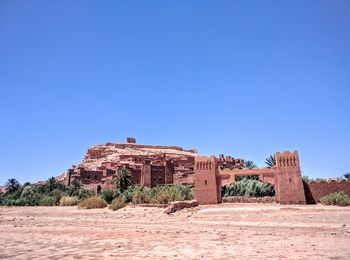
point(136, 176)
point(169, 171)
point(146, 174)
point(123, 146)
point(265, 175)
point(315, 190)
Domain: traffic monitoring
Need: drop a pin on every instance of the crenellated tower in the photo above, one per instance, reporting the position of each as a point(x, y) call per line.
point(207, 180)
point(289, 186)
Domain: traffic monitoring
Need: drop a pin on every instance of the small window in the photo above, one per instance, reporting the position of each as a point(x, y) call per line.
point(154, 178)
point(95, 177)
point(160, 178)
point(290, 179)
point(89, 177)
point(205, 182)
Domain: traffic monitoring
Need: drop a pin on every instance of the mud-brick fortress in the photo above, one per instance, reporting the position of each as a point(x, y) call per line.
point(153, 165)
point(150, 165)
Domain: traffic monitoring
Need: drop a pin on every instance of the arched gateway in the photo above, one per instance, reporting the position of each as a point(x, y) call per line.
point(285, 176)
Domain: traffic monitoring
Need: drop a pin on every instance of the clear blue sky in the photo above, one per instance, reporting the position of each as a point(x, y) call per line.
point(244, 78)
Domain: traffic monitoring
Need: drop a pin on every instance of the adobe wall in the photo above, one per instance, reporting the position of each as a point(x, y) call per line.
point(286, 176)
point(134, 145)
point(265, 175)
point(315, 190)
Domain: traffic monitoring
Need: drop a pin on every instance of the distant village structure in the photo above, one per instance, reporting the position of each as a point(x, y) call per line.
point(152, 165)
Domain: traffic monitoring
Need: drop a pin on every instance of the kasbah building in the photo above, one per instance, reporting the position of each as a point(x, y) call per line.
point(153, 165)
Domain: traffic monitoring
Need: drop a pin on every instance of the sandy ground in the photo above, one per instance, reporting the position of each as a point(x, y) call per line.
point(226, 231)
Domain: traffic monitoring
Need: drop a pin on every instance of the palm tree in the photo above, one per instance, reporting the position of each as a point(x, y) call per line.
point(122, 179)
point(270, 161)
point(347, 176)
point(250, 164)
point(52, 182)
point(75, 185)
point(12, 185)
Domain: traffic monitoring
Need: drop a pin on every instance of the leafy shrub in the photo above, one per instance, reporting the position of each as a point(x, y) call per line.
point(69, 201)
point(141, 195)
point(166, 194)
point(30, 197)
point(186, 191)
point(336, 198)
point(159, 194)
point(94, 202)
point(118, 203)
point(84, 194)
point(129, 192)
point(48, 201)
point(57, 194)
point(108, 195)
point(249, 187)
point(15, 202)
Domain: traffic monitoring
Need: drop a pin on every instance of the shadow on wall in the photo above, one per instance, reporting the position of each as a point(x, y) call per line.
point(308, 195)
point(315, 190)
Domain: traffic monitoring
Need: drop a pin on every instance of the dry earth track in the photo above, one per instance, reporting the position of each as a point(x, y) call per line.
point(226, 231)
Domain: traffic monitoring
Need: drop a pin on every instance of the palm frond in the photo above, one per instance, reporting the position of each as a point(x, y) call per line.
point(270, 161)
point(250, 164)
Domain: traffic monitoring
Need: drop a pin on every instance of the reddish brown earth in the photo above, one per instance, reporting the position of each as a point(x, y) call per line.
point(226, 231)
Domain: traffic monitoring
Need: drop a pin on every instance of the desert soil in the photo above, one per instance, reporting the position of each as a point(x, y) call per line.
point(226, 231)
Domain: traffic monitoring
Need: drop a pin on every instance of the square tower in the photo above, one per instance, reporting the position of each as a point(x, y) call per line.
point(207, 182)
point(289, 186)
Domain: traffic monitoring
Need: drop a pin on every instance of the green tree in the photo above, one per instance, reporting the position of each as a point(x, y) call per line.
point(250, 164)
point(122, 179)
point(306, 178)
point(12, 185)
point(75, 186)
point(270, 161)
point(51, 183)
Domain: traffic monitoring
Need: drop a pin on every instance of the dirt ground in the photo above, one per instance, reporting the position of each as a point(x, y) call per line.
point(226, 231)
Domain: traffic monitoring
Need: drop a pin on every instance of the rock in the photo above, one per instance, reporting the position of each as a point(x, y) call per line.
point(178, 205)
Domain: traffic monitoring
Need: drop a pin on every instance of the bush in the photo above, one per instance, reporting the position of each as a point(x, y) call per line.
point(14, 202)
point(69, 201)
point(108, 195)
point(118, 203)
point(48, 201)
point(94, 202)
point(129, 192)
point(57, 195)
point(186, 191)
point(336, 198)
point(84, 194)
point(249, 188)
point(166, 194)
point(30, 197)
point(141, 195)
point(159, 194)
